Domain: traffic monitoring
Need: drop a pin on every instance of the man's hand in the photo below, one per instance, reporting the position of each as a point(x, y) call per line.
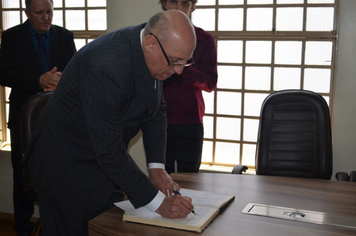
point(163, 181)
point(49, 80)
point(175, 207)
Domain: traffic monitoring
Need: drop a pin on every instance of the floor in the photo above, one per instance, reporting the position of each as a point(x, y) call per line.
point(6, 227)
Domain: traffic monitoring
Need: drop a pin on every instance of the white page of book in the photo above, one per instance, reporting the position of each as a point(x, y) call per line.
point(198, 198)
point(191, 219)
point(206, 198)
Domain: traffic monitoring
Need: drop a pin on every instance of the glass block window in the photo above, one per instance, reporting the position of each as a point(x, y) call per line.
point(262, 46)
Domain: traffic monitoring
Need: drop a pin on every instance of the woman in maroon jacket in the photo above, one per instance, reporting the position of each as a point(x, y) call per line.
point(183, 94)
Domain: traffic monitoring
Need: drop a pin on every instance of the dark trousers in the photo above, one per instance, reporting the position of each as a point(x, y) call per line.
point(58, 219)
point(23, 206)
point(184, 146)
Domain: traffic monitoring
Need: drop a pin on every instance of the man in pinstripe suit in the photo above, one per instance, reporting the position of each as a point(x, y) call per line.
point(110, 90)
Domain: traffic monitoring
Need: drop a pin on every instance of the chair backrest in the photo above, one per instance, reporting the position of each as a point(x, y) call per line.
point(30, 113)
point(294, 137)
point(343, 176)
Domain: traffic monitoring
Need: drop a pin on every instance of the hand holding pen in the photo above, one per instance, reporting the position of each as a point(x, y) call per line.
point(178, 193)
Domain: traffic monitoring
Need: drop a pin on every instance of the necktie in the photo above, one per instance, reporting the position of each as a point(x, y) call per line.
point(42, 53)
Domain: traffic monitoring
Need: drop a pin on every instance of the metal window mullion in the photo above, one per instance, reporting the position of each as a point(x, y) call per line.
point(21, 9)
point(334, 57)
point(244, 27)
point(302, 66)
point(64, 14)
point(86, 16)
point(274, 28)
point(1, 22)
point(272, 65)
point(217, 11)
point(243, 92)
point(305, 16)
point(215, 115)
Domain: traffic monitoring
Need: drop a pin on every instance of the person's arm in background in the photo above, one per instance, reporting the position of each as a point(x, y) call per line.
point(203, 74)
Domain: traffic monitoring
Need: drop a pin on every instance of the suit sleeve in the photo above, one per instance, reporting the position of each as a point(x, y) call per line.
point(62, 48)
point(18, 69)
point(154, 136)
point(104, 96)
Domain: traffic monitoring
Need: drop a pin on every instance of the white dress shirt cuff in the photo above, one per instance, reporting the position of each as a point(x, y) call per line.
point(156, 202)
point(154, 165)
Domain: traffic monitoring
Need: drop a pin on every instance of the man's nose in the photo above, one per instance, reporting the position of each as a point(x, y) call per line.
point(178, 69)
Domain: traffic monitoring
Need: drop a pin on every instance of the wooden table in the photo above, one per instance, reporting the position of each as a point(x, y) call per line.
point(331, 197)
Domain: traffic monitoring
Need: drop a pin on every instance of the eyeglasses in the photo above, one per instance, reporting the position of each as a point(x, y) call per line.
point(188, 63)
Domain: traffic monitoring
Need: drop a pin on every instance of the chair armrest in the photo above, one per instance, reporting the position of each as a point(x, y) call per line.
point(238, 169)
point(353, 176)
point(342, 176)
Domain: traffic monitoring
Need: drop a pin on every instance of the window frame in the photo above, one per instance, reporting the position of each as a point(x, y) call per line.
point(274, 36)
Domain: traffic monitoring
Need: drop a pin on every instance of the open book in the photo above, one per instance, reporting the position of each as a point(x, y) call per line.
point(206, 207)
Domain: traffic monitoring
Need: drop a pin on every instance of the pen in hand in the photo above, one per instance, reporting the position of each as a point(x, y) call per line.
point(178, 193)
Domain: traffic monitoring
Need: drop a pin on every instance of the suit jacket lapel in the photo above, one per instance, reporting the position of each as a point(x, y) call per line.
point(53, 50)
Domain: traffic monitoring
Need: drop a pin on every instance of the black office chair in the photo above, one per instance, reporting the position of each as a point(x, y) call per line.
point(343, 176)
point(30, 113)
point(294, 137)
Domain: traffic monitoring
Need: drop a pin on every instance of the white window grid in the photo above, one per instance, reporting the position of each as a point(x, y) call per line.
point(231, 127)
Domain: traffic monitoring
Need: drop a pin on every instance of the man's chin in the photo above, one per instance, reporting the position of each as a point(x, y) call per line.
point(162, 77)
point(44, 29)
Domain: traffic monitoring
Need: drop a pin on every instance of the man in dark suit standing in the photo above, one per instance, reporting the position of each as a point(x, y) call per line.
point(111, 89)
point(27, 73)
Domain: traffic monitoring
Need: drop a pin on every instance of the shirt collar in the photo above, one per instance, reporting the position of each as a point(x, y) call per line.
point(141, 33)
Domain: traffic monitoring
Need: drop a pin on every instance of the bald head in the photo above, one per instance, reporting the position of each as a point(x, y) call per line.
point(176, 34)
point(171, 23)
point(172, 26)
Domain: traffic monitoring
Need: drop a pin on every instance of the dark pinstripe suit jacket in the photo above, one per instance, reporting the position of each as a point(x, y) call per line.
point(105, 96)
point(20, 67)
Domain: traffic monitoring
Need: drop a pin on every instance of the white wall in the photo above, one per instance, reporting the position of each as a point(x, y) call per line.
point(132, 12)
point(344, 115)
point(6, 203)
point(123, 13)
point(5, 182)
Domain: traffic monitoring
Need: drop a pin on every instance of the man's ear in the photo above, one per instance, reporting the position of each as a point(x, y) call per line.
point(27, 13)
point(149, 43)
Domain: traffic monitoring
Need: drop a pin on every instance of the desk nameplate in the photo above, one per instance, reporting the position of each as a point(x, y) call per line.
point(313, 217)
